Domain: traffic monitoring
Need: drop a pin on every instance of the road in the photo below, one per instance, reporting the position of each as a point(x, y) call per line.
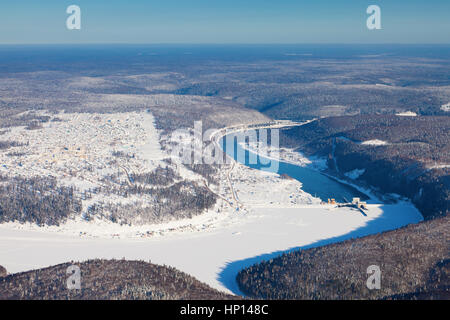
point(216, 137)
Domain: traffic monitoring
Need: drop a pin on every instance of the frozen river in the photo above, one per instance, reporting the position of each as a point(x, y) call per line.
point(215, 255)
point(313, 182)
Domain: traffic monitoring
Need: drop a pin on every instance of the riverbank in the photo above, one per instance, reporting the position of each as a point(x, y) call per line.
point(287, 219)
point(212, 256)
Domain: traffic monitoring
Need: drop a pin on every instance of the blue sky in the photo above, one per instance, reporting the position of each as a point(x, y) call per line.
point(231, 21)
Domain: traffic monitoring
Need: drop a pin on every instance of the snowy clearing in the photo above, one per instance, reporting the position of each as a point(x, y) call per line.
point(374, 142)
point(438, 166)
point(407, 114)
point(446, 107)
point(355, 174)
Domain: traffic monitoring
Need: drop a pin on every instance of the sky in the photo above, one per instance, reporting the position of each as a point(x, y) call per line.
point(223, 22)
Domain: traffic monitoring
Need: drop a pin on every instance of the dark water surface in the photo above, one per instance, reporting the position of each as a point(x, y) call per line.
point(314, 182)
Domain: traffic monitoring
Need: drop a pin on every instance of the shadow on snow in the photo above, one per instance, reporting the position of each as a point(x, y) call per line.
point(385, 222)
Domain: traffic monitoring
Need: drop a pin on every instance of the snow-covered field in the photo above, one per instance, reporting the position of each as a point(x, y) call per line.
point(252, 187)
point(274, 215)
point(374, 142)
point(446, 107)
point(216, 255)
point(84, 150)
point(406, 114)
point(354, 174)
point(81, 141)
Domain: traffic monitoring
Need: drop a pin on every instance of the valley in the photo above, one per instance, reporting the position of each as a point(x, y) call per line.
point(89, 170)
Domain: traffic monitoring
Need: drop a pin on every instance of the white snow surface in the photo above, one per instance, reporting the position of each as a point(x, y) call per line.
point(446, 107)
point(374, 142)
point(407, 114)
point(272, 215)
point(355, 174)
point(213, 256)
point(78, 150)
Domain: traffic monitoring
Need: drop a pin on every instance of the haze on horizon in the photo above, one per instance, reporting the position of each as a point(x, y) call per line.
point(227, 22)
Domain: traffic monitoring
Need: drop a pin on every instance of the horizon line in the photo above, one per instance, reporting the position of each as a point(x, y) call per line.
point(223, 44)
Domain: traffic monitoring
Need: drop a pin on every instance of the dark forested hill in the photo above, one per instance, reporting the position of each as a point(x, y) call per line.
point(414, 262)
point(2, 271)
point(410, 158)
point(107, 279)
